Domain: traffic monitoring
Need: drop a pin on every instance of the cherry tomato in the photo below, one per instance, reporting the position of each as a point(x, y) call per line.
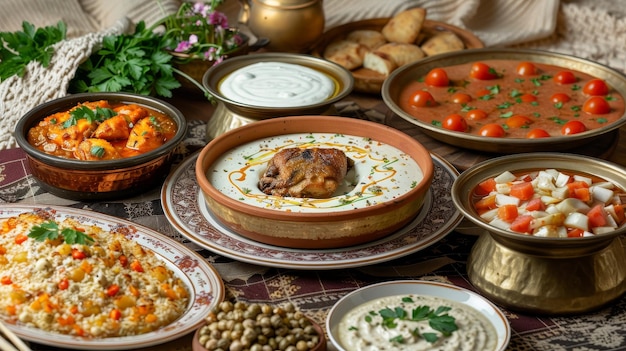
point(573, 127)
point(482, 71)
point(560, 97)
point(526, 69)
point(596, 87)
point(565, 77)
point(596, 105)
point(461, 98)
point(528, 98)
point(537, 133)
point(422, 98)
point(476, 115)
point(437, 77)
point(518, 121)
point(454, 122)
point(482, 92)
point(492, 130)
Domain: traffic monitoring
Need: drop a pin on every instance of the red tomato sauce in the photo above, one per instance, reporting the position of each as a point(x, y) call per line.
point(102, 130)
point(508, 98)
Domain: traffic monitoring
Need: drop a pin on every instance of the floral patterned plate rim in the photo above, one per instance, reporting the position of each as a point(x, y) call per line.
point(185, 209)
point(204, 283)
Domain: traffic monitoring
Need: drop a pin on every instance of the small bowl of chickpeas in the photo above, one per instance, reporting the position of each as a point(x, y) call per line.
point(245, 326)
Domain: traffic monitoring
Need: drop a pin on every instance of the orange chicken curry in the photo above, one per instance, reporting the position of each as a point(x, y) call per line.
point(102, 130)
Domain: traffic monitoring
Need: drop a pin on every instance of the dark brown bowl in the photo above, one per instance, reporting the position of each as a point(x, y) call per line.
point(99, 180)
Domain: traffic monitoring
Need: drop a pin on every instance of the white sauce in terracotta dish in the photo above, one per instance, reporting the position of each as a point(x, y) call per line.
point(381, 173)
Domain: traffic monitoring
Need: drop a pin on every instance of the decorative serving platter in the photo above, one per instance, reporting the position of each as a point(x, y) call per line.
point(204, 283)
point(185, 208)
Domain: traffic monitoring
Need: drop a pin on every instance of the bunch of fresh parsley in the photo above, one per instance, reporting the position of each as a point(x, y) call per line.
point(19, 48)
point(135, 63)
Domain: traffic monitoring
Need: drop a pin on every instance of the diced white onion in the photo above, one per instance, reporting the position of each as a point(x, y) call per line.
point(577, 220)
point(549, 231)
point(549, 200)
point(560, 193)
point(502, 199)
point(561, 180)
point(505, 177)
point(489, 215)
point(602, 230)
point(580, 178)
point(571, 204)
point(601, 194)
point(498, 223)
point(503, 188)
point(551, 219)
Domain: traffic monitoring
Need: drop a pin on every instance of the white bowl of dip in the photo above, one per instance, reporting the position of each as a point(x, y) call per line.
point(357, 321)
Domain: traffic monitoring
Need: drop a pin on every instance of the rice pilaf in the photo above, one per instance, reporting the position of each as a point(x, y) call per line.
point(108, 287)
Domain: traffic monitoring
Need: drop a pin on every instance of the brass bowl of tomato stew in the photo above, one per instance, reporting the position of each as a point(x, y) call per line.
point(135, 173)
point(541, 274)
point(492, 102)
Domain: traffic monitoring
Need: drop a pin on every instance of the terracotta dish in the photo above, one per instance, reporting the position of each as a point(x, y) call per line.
point(535, 274)
point(385, 195)
point(106, 179)
point(369, 81)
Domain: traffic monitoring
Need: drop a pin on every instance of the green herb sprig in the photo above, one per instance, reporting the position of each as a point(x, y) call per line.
point(19, 48)
point(51, 230)
point(134, 63)
point(98, 114)
point(438, 319)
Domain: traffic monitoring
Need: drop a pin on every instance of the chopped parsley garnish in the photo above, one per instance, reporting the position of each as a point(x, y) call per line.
point(84, 112)
point(50, 230)
point(97, 151)
point(438, 319)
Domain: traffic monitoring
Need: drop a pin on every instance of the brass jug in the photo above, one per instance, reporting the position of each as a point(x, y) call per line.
point(290, 25)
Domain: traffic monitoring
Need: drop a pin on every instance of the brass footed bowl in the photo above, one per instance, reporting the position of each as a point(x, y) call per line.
point(230, 114)
point(541, 275)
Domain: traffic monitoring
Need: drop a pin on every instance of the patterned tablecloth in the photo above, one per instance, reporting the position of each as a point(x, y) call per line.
point(316, 291)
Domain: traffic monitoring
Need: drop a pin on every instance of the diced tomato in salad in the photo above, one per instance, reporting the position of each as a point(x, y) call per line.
point(551, 203)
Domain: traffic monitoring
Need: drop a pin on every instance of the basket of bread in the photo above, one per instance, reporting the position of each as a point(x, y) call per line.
point(373, 48)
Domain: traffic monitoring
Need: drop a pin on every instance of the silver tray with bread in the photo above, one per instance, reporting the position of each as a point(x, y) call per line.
point(373, 48)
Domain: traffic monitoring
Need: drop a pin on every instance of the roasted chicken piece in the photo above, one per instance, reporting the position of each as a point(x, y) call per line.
point(314, 173)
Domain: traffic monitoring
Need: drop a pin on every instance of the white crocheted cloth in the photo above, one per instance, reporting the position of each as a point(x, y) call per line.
point(39, 84)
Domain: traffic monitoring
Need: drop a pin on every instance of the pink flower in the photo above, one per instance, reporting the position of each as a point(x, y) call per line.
point(210, 54)
point(201, 8)
point(183, 46)
point(219, 19)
